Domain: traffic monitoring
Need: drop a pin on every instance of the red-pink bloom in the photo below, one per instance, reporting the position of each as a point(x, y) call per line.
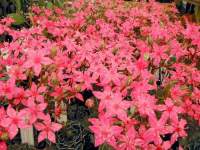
point(20, 96)
point(16, 73)
point(104, 97)
point(47, 129)
point(157, 128)
point(2, 29)
point(3, 145)
point(145, 104)
point(170, 110)
point(36, 9)
point(2, 113)
point(13, 121)
point(117, 106)
point(104, 130)
point(144, 138)
point(107, 76)
point(34, 111)
point(176, 49)
point(36, 92)
point(87, 80)
point(178, 128)
point(8, 88)
point(111, 15)
point(141, 64)
point(165, 145)
point(36, 59)
point(196, 95)
point(8, 21)
point(177, 93)
point(129, 141)
point(188, 107)
point(159, 52)
point(58, 91)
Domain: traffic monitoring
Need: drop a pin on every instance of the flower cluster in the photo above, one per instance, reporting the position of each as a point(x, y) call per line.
point(139, 60)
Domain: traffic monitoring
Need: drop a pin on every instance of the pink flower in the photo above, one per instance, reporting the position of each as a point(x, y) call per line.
point(47, 129)
point(177, 93)
point(34, 111)
point(157, 128)
point(16, 72)
point(36, 59)
point(2, 113)
point(104, 130)
point(188, 107)
point(141, 64)
point(2, 29)
point(13, 121)
point(8, 20)
point(104, 97)
point(165, 145)
point(3, 145)
point(107, 76)
point(110, 14)
point(159, 53)
point(117, 106)
point(8, 89)
point(20, 96)
point(58, 92)
point(178, 127)
point(35, 92)
point(170, 110)
point(145, 104)
point(129, 141)
point(87, 80)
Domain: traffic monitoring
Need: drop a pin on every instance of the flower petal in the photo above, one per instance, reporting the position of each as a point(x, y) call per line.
point(42, 106)
point(37, 69)
point(39, 126)
point(42, 136)
point(56, 126)
point(12, 131)
point(11, 112)
point(51, 137)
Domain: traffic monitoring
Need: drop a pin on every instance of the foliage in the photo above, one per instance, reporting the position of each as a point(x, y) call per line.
point(197, 13)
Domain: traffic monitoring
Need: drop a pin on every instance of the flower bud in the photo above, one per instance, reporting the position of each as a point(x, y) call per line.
point(58, 111)
point(89, 103)
point(4, 136)
point(53, 51)
point(77, 87)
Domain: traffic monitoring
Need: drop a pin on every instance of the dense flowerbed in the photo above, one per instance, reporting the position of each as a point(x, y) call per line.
point(140, 60)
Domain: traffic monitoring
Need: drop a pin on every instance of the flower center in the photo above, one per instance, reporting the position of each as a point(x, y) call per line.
point(7, 89)
point(169, 109)
point(15, 120)
point(37, 60)
point(116, 106)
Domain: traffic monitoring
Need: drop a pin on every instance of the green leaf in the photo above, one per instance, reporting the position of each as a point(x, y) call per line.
point(19, 19)
point(132, 110)
point(18, 5)
point(197, 13)
point(173, 58)
point(4, 78)
point(49, 5)
point(105, 147)
point(118, 123)
point(59, 3)
point(41, 3)
point(146, 56)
